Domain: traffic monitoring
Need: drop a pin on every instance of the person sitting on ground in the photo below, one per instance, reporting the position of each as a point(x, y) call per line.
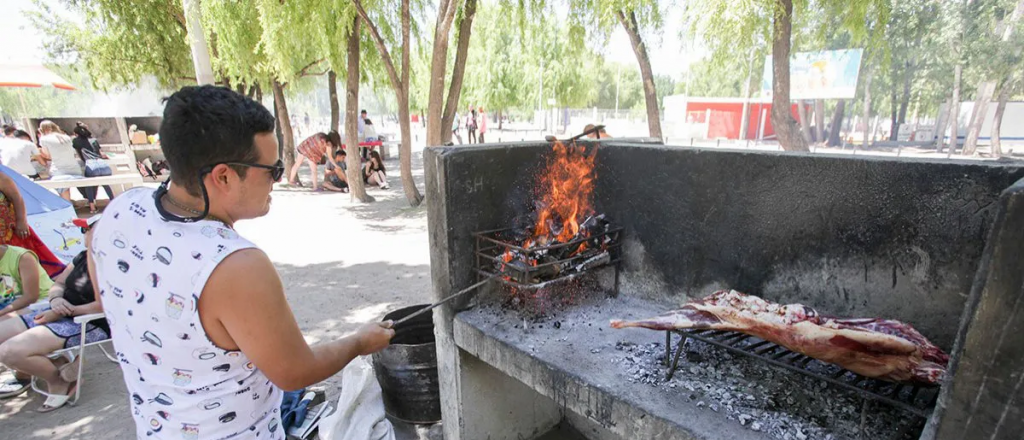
point(25, 342)
point(334, 177)
point(374, 172)
point(210, 321)
point(88, 149)
point(23, 281)
point(58, 149)
point(313, 150)
point(599, 134)
point(18, 154)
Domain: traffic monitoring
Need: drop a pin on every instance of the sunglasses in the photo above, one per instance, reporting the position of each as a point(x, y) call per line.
point(276, 170)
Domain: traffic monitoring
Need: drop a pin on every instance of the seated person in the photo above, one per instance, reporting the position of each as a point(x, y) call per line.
point(335, 178)
point(26, 341)
point(18, 155)
point(374, 172)
point(23, 280)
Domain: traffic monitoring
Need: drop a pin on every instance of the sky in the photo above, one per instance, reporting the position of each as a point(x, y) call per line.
point(24, 43)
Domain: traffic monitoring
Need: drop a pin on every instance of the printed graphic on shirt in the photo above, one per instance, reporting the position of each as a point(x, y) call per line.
point(151, 269)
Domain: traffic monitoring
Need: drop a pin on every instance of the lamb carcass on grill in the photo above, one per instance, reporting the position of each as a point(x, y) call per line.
point(877, 348)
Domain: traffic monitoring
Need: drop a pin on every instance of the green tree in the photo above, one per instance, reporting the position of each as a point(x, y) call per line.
point(772, 21)
point(637, 17)
point(399, 77)
point(116, 43)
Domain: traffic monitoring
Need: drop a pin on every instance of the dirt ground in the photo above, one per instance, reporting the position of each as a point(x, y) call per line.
point(342, 264)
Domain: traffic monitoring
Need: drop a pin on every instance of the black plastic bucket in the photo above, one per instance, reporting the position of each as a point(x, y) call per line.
point(407, 369)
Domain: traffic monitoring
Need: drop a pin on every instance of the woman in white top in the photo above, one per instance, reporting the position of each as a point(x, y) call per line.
point(58, 148)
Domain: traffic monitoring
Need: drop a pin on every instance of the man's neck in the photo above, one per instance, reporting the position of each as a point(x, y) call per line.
point(181, 197)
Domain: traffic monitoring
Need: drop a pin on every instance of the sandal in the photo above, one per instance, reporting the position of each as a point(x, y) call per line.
point(55, 401)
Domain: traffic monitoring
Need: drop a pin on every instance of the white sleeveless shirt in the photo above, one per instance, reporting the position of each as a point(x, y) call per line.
point(150, 273)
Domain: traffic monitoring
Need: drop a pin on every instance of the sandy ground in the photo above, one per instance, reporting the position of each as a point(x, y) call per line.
point(343, 264)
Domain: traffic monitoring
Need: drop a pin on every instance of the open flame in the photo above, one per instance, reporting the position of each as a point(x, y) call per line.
point(565, 196)
point(561, 236)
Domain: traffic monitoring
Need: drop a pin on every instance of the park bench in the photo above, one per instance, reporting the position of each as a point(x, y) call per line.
point(125, 176)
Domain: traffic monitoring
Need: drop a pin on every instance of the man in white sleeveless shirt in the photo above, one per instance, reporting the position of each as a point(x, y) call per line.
point(197, 313)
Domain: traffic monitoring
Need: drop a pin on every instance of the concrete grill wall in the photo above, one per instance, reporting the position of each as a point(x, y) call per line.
point(850, 236)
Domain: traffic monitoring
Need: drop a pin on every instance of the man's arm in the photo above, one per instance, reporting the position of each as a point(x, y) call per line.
point(10, 189)
point(243, 307)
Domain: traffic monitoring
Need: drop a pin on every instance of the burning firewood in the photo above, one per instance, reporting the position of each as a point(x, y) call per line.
point(562, 235)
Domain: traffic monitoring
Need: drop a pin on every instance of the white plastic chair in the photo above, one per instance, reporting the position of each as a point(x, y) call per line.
point(82, 320)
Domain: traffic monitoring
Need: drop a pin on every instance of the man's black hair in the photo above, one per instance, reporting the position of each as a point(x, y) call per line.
point(363, 111)
point(8, 129)
point(205, 125)
point(22, 134)
point(340, 152)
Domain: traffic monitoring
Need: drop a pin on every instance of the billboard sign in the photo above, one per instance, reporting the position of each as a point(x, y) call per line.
point(819, 75)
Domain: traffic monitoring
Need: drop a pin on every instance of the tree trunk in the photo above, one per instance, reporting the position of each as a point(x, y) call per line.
point(782, 116)
point(438, 66)
point(412, 194)
point(901, 118)
point(805, 121)
point(834, 136)
point(332, 87)
point(941, 124)
point(954, 110)
point(819, 120)
point(259, 93)
point(997, 123)
point(867, 107)
point(894, 108)
point(355, 169)
point(458, 72)
point(197, 41)
point(985, 91)
point(288, 144)
point(629, 22)
point(400, 85)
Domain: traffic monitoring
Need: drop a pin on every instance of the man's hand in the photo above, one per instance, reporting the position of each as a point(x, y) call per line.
point(374, 337)
point(21, 228)
point(61, 306)
point(47, 317)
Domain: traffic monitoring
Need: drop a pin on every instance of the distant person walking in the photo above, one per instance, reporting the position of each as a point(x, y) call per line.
point(456, 126)
point(471, 125)
point(483, 124)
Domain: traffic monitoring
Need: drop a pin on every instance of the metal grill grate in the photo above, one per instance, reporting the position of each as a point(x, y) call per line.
point(913, 398)
point(604, 251)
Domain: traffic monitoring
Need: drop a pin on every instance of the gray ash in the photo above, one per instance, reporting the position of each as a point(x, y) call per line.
point(783, 404)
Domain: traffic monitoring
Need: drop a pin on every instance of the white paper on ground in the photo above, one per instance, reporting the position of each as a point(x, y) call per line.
point(360, 409)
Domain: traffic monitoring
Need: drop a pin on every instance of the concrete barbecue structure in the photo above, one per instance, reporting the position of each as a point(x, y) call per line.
point(936, 244)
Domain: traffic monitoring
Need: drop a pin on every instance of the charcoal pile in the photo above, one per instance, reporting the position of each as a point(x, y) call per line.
point(782, 404)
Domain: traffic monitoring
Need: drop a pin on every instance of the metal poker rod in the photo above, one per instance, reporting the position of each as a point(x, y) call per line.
point(434, 305)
